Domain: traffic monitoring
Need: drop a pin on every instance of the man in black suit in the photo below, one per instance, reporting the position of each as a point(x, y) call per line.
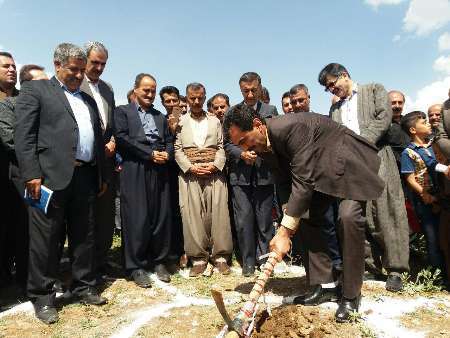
point(102, 93)
point(323, 161)
point(146, 146)
point(252, 185)
point(59, 144)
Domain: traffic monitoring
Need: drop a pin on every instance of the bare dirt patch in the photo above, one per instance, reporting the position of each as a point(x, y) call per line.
point(434, 320)
point(77, 320)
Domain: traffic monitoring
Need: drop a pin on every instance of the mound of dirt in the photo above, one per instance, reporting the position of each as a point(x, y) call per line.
point(296, 321)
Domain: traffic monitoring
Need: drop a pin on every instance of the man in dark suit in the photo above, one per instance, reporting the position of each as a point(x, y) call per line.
point(323, 161)
point(102, 93)
point(252, 185)
point(59, 144)
point(146, 146)
point(16, 241)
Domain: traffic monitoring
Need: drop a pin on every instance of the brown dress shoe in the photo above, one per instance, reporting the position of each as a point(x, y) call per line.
point(223, 267)
point(197, 270)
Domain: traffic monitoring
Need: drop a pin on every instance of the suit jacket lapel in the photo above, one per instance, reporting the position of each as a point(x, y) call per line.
point(62, 96)
point(105, 94)
point(159, 122)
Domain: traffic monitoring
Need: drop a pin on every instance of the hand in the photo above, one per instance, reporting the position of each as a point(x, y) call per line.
point(447, 174)
point(427, 198)
point(110, 149)
point(172, 121)
point(249, 157)
point(199, 170)
point(34, 188)
point(209, 166)
point(103, 189)
point(160, 157)
point(281, 242)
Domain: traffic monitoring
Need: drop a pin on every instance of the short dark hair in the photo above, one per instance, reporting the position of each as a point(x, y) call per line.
point(129, 94)
point(195, 86)
point(139, 78)
point(249, 77)
point(332, 69)
point(6, 54)
point(169, 90)
point(25, 75)
point(409, 120)
point(265, 93)
point(298, 87)
point(285, 95)
point(222, 95)
point(241, 116)
point(182, 98)
point(209, 103)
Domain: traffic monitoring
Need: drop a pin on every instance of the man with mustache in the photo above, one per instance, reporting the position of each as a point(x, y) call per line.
point(59, 144)
point(103, 94)
point(365, 109)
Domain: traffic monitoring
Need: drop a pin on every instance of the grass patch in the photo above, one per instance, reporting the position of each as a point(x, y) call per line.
point(426, 282)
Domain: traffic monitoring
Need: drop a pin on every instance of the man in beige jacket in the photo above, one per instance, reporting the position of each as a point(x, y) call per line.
point(202, 185)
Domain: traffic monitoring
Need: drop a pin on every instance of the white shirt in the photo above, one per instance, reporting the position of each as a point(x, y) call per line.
point(86, 138)
point(349, 110)
point(98, 99)
point(199, 130)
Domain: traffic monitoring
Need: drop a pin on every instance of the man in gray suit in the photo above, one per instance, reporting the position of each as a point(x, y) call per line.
point(366, 110)
point(252, 185)
point(102, 93)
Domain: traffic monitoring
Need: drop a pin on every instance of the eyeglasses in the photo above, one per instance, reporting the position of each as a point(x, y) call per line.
point(332, 83)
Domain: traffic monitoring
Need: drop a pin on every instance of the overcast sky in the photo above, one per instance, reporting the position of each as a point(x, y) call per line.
point(403, 44)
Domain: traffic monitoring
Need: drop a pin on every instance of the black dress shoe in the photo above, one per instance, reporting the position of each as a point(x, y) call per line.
point(141, 278)
point(58, 286)
point(162, 273)
point(346, 307)
point(92, 297)
point(46, 313)
point(248, 270)
point(318, 296)
point(394, 283)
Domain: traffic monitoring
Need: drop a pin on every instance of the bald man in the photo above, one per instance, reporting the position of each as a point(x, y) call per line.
point(434, 115)
point(397, 100)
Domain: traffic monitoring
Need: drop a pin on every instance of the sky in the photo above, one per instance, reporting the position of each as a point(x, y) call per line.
point(402, 44)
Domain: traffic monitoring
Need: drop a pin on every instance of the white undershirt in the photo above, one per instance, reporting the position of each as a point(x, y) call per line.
point(349, 111)
point(199, 130)
point(98, 99)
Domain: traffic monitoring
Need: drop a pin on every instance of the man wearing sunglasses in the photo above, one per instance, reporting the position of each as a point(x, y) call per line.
point(366, 110)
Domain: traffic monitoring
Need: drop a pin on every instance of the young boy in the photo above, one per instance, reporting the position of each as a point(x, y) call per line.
point(420, 167)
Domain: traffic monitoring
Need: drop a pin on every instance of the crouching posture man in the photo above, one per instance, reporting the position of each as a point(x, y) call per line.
point(324, 161)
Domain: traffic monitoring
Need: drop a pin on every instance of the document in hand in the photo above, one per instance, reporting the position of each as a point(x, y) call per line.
point(43, 202)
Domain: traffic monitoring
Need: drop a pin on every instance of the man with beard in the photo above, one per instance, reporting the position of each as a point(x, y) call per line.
point(365, 109)
point(322, 161)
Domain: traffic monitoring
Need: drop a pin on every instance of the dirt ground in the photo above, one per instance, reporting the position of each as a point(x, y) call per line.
point(184, 308)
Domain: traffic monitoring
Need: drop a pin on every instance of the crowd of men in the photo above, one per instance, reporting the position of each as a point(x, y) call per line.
point(190, 187)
